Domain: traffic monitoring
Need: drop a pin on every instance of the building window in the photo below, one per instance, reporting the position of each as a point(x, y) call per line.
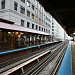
point(33, 7)
point(36, 19)
point(46, 30)
point(28, 3)
point(49, 31)
point(22, 10)
point(42, 29)
point(23, 1)
point(39, 28)
point(22, 22)
point(52, 29)
point(28, 13)
point(3, 4)
point(52, 32)
point(49, 25)
point(32, 16)
point(15, 6)
point(52, 26)
point(32, 26)
point(28, 24)
point(36, 27)
point(46, 23)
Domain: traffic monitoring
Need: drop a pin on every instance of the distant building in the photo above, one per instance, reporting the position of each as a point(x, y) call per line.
point(58, 33)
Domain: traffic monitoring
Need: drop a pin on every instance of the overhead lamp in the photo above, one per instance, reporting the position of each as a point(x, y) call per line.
point(17, 33)
point(9, 32)
point(74, 33)
point(13, 32)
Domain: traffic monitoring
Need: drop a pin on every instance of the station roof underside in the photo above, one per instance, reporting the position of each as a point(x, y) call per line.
point(63, 11)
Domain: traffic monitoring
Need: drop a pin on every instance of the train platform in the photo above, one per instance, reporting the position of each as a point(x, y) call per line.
point(66, 65)
point(73, 58)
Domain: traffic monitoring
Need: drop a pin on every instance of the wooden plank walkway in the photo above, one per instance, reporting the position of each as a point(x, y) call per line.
point(73, 58)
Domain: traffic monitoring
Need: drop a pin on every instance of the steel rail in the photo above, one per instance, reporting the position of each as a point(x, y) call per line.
point(36, 69)
point(25, 56)
point(55, 68)
point(13, 65)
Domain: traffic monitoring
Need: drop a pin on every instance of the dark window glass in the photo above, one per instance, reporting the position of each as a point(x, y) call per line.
point(32, 26)
point(42, 29)
point(22, 10)
point(49, 25)
point(36, 27)
point(3, 4)
point(33, 7)
point(39, 28)
point(52, 29)
point(23, 1)
point(49, 31)
point(15, 6)
point(46, 23)
point(28, 13)
point(22, 22)
point(52, 26)
point(52, 32)
point(32, 16)
point(46, 30)
point(28, 24)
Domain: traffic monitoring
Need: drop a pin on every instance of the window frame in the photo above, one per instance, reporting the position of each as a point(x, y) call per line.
point(36, 27)
point(22, 22)
point(15, 5)
point(28, 3)
point(3, 4)
point(32, 26)
point(33, 7)
point(22, 10)
point(28, 24)
point(32, 16)
point(28, 13)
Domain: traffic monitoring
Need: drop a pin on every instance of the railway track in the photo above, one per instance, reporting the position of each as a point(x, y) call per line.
point(4, 64)
point(34, 70)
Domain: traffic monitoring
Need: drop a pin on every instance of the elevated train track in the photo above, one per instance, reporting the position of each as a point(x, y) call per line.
point(4, 64)
point(51, 52)
point(34, 70)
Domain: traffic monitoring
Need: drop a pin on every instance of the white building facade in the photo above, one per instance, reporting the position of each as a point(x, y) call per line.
point(26, 13)
point(58, 33)
point(30, 14)
point(31, 23)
